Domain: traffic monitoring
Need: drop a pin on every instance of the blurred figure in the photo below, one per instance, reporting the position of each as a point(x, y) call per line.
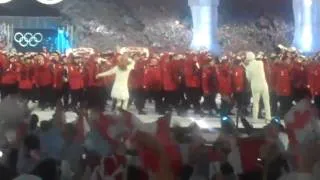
point(259, 87)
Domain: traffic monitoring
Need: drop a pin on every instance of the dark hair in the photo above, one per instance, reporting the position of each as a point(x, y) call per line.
point(46, 170)
point(34, 121)
point(32, 142)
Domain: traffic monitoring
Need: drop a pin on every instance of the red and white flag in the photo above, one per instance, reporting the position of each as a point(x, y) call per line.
point(302, 123)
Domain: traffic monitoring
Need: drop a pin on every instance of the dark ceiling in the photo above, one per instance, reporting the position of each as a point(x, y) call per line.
point(28, 8)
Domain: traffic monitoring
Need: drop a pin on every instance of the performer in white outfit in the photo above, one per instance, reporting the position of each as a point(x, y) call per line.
point(120, 91)
point(259, 87)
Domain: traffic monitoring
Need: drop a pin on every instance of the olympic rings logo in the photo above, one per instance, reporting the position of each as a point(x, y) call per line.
point(28, 39)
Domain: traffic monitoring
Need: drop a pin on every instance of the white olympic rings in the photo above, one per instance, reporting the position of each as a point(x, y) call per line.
point(28, 39)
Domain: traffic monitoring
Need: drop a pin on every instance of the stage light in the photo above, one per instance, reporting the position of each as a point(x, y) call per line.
point(62, 41)
point(205, 25)
point(49, 2)
point(201, 123)
point(4, 1)
point(304, 25)
point(177, 22)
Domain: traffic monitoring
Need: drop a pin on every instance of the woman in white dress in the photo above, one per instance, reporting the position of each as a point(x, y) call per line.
point(120, 91)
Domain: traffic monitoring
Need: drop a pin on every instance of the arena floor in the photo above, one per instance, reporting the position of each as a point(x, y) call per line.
point(203, 122)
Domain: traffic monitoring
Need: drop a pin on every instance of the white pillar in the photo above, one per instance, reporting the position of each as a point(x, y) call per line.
point(306, 24)
point(205, 24)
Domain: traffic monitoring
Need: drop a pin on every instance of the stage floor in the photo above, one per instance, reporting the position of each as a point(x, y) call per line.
point(204, 122)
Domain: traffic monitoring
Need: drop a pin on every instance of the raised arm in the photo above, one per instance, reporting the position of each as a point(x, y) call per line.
point(132, 64)
point(107, 73)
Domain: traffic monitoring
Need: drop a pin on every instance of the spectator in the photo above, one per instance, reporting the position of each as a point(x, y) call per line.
point(29, 154)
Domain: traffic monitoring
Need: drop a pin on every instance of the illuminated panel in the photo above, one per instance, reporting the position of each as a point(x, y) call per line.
point(49, 2)
point(4, 1)
point(204, 18)
point(303, 21)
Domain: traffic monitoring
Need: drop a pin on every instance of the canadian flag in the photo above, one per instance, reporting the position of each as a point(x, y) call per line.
point(161, 130)
point(302, 124)
point(243, 156)
point(110, 168)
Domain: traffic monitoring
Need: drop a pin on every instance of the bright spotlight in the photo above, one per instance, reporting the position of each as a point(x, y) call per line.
point(303, 38)
point(177, 22)
point(4, 1)
point(49, 2)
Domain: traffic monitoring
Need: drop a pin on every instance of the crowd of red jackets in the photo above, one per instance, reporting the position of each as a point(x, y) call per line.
point(165, 72)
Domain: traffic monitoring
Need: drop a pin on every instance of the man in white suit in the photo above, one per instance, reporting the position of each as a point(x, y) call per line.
point(259, 87)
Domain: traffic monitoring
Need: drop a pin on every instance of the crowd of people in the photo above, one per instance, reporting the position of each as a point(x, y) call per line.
point(171, 81)
point(85, 148)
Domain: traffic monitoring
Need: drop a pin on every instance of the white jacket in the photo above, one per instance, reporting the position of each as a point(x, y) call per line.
point(120, 87)
point(256, 75)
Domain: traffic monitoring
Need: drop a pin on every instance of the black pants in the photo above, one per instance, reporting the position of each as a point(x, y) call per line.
point(317, 102)
point(193, 98)
point(58, 93)
point(27, 94)
point(96, 97)
point(76, 97)
point(139, 98)
point(273, 103)
point(171, 99)
point(209, 102)
point(8, 89)
point(157, 97)
point(240, 98)
point(285, 104)
point(46, 96)
point(65, 94)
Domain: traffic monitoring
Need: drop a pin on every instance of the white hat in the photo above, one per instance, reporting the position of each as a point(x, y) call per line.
point(292, 49)
point(250, 56)
point(282, 47)
point(27, 177)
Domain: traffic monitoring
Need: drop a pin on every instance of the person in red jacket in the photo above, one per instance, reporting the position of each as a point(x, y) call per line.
point(171, 78)
point(225, 86)
point(209, 85)
point(192, 74)
point(43, 75)
point(95, 87)
point(76, 83)
point(153, 83)
point(9, 77)
point(26, 79)
point(239, 85)
point(137, 93)
point(283, 85)
point(299, 75)
point(313, 72)
point(58, 72)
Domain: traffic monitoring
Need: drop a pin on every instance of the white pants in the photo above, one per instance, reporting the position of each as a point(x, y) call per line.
point(122, 104)
point(256, 95)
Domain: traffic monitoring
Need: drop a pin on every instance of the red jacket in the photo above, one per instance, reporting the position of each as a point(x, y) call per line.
point(136, 75)
point(43, 75)
point(26, 76)
point(92, 69)
point(273, 76)
point(9, 74)
point(299, 75)
point(224, 80)
point(283, 81)
point(238, 78)
point(313, 79)
point(191, 73)
point(153, 78)
point(170, 76)
point(75, 73)
point(208, 79)
point(58, 72)
point(108, 80)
